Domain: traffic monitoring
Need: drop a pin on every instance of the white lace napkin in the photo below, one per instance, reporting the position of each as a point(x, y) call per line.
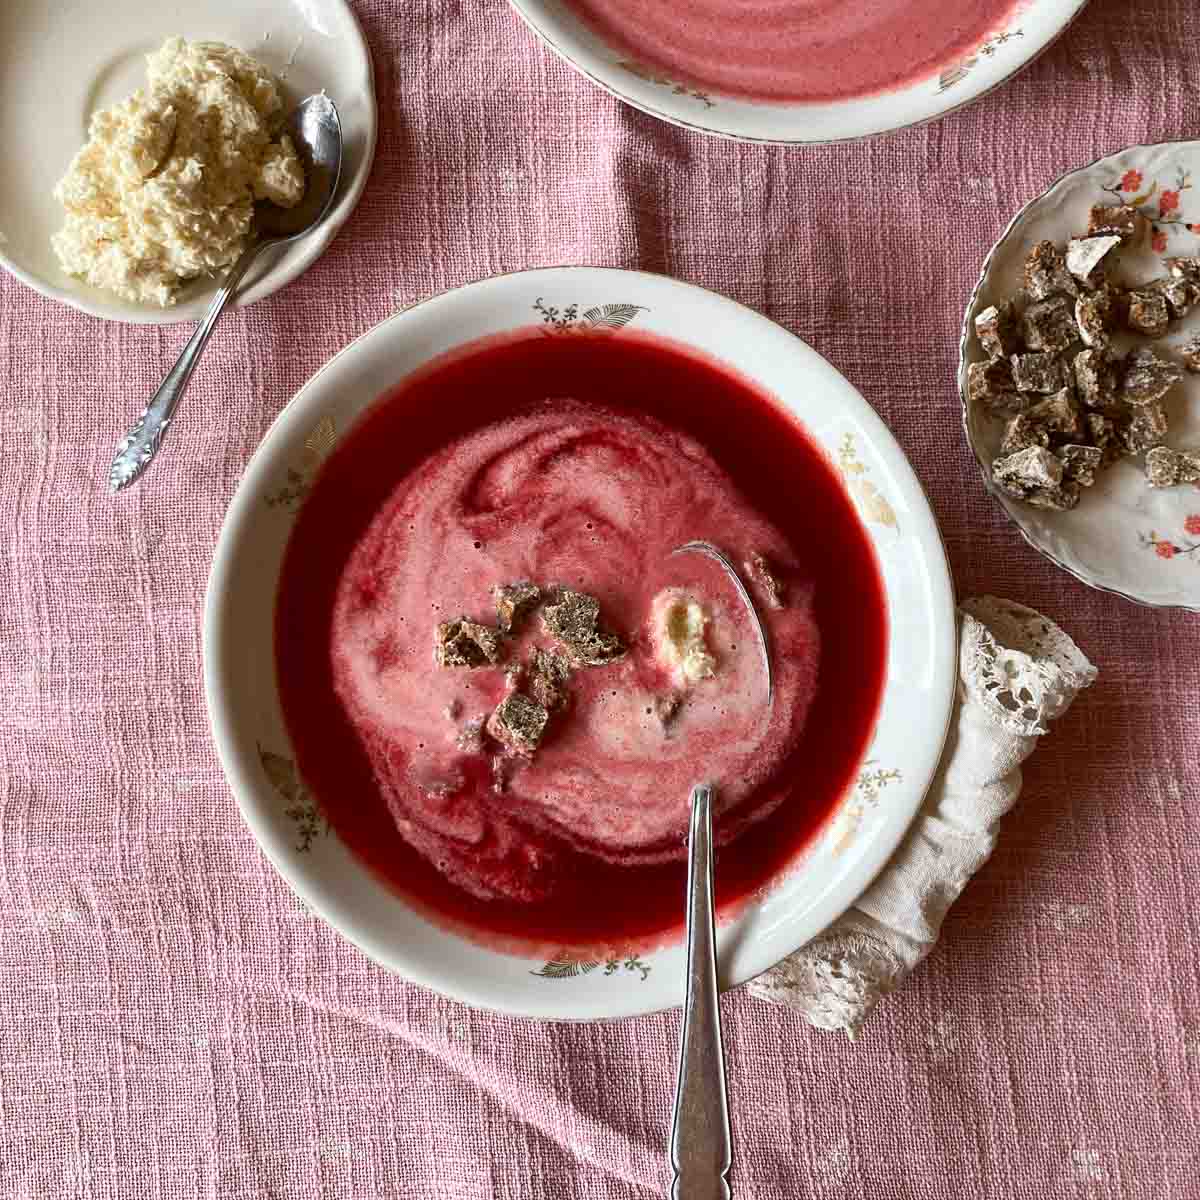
point(1017, 672)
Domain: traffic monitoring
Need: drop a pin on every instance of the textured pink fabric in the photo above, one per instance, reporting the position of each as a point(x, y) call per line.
point(172, 1021)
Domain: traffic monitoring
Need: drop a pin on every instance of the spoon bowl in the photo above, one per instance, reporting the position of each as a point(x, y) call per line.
point(708, 550)
point(316, 133)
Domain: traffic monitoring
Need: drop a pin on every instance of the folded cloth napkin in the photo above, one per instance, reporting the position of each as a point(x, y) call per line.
point(1018, 671)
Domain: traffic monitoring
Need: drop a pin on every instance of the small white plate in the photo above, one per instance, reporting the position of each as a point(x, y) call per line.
point(1031, 29)
point(1124, 537)
point(61, 60)
point(240, 667)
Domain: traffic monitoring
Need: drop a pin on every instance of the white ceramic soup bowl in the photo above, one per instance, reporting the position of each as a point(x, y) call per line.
point(252, 738)
point(1030, 29)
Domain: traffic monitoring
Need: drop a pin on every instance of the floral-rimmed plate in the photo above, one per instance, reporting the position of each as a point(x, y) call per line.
point(1027, 31)
point(240, 671)
point(61, 60)
point(1124, 537)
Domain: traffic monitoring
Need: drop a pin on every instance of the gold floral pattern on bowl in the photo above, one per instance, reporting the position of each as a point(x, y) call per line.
point(954, 75)
point(568, 965)
point(302, 809)
point(290, 495)
point(872, 504)
point(650, 75)
point(569, 319)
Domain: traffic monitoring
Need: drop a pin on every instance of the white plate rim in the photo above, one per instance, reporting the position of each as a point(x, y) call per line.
point(243, 785)
point(966, 335)
point(310, 248)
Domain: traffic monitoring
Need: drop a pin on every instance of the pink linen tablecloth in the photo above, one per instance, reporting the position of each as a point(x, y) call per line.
point(174, 1024)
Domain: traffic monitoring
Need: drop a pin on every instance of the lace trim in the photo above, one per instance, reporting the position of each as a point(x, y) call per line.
point(1019, 672)
point(836, 979)
point(1019, 665)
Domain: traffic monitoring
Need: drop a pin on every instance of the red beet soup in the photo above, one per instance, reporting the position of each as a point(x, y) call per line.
point(576, 461)
point(795, 51)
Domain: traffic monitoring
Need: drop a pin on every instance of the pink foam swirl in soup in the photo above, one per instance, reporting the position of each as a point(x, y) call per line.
point(597, 501)
point(795, 50)
point(476, 472)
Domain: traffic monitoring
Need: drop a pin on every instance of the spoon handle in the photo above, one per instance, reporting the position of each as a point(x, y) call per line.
point(701, 1144)
point(141, 443)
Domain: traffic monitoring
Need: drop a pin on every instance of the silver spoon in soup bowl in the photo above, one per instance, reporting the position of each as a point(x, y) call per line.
point(701, 1141)
point(316, 133)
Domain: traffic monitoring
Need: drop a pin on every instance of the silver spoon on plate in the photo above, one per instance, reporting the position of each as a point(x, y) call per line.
point(701, 1140)
point(316, 132)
